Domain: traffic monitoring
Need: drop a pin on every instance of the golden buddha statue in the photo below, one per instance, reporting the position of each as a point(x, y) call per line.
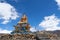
point(22, 26)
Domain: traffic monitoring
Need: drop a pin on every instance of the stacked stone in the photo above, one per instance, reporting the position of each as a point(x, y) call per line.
point(17, 37)
point(35, 36)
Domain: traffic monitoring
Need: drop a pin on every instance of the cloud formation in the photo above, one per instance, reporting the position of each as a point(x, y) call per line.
point(50, 23)
point(32, 29)
point(4, 31)
point(7, 12)
point(58, 3)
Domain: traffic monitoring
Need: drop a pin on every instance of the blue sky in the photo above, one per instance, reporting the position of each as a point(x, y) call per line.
point(38, 12)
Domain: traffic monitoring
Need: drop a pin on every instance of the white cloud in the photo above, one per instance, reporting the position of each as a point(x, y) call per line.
point(4, 31)
point(7, 12)
point(50, 23)
point(32, 29)
point(58, 3)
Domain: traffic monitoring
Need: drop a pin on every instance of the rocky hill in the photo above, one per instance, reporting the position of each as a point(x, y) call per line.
point(42, 35)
